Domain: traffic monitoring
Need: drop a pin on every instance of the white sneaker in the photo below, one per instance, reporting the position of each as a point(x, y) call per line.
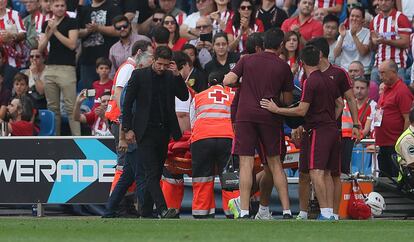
point(263, 216)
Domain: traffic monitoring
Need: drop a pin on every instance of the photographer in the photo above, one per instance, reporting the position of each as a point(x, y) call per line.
point(203, 43)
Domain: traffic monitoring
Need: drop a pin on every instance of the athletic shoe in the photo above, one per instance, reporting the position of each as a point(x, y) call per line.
point(287, 216)
point(244, 217)
point(300, 217)
point(322, 218)
point(169, 213)
point(234, 207)
point(263, 216)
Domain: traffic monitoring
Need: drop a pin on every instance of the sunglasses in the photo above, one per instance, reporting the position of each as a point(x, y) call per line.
point(202, 26)
point(156, 20)
point(35, 56)
point(166, 22)
point(244, 8)
point(124, 26)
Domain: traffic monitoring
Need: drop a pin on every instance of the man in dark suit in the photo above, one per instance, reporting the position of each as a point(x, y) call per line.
point(154, 89)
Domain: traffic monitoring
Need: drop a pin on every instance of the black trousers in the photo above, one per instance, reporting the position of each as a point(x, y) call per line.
point(346, 156)
point(385, 162)
point(152, 151)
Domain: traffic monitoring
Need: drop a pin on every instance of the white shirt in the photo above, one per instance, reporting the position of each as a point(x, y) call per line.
point(191, 20)
point(124, 73)
point(183, 106)
point(350, 52)
point(408, 8)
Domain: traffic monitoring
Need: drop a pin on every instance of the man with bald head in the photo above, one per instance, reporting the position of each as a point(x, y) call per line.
point(391, 118)
point(204, 29)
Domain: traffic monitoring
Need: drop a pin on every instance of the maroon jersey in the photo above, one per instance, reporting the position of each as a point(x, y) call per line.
point(320, 92)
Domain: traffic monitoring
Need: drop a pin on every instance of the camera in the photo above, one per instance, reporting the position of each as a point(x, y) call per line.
point(90, 93)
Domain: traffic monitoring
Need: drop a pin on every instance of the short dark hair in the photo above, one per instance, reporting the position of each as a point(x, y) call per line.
point(106, 93)
point(254, 40)
point(163, 52)
point(321, 44)
point(119, 18)
point(220, 35)
point(216, 77)
point(140, 45)
point(273, 38)
point(161, 35)
point(361, 79)
point(360, 8)
point(330, 18)
point(180, 58)
point(310, 55)
point(21, 77)
point(103, 61)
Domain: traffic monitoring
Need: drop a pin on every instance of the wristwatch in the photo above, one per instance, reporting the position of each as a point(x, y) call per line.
point(358, 126)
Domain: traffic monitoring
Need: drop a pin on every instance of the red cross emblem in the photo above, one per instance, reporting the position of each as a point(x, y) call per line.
point(219, 96)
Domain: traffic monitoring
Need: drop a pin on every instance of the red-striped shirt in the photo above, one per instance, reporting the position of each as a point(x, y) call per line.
point(12, 23)
point(327, 3)
point(391, 27)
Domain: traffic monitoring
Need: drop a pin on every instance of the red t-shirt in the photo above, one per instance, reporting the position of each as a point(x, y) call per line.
point(341, 80)
point(22, 128)
point(395, 101)
point(101, 89)
point(321, 110)
point(328, 3)
point(264, 75)
point(179, 44)
point(308, 29)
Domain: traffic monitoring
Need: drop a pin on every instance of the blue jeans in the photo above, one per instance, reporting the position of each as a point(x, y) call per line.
point(133, 171)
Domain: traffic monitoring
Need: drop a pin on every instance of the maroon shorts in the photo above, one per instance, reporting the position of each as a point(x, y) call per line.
point(320, 149)
point(249, 135)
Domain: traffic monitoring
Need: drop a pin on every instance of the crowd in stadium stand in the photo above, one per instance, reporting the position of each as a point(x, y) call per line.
point(63, 55)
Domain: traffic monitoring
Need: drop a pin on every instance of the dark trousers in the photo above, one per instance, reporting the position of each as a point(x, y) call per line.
point(133, 171)
point(385, 162)
point(152, 151)
point(346, 156)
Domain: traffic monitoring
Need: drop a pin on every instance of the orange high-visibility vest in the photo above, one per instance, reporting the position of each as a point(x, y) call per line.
point(347, 122)
point(112, 111)
point(212, 113)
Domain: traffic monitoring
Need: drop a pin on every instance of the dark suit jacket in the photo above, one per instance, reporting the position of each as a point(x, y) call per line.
point(139, 89)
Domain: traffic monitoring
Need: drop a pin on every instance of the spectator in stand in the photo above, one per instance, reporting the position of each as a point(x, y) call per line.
point(290, 53)
point(304, 23)
point(406, 7)
point(33, 8)
point(5, 95)
point(175, 42)
point(222, 16)
point(36, 78)
point(353, 44)
point(61, 33)
point(319, 14)
point(95, 119)
point(45, 14)
point(366, 106)
point(121, 50)
point(187, 29)
point(356, 69)
point(20, 85)
point(156, 21)
point(270, 14)
point(204, 42)
point(198, 78)
point(20, 112)
point(330, 33)
point(12, 35)
point(104, 84)
point(391, 118)
point(223, 60)
point(329, 6)
point(97, 35)
point(390, 44)
point(8, 71)
point(242, 25)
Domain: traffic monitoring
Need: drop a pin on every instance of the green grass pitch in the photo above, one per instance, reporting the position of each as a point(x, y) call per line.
point(96, 229)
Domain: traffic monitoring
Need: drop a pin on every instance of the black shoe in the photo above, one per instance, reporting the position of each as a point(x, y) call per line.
point(287, 216)
point(169, 213)
point(245, 217)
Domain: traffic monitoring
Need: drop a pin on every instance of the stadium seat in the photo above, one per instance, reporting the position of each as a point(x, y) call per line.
point(47, 123)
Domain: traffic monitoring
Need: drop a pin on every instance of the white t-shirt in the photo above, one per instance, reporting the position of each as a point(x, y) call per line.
point(350, 52)
point(191, 20)
point(124, 73)
point(331, 56)
point(183, 106)
point(408, 8)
